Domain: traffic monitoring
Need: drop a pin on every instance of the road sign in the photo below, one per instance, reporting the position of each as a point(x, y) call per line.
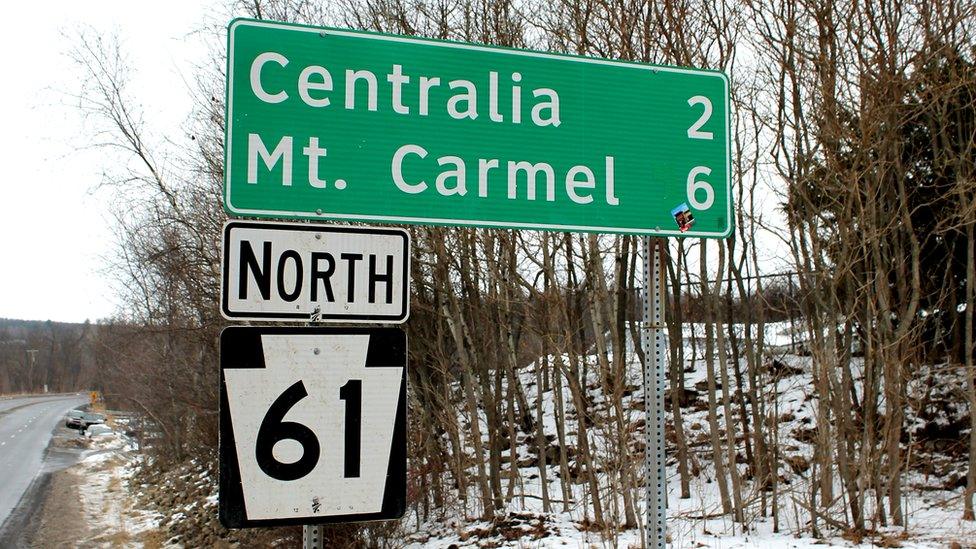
point(312, 425)
point(304, 272)
point(337, 124)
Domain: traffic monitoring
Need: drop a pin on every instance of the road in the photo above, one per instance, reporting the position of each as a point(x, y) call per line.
point(26, 424)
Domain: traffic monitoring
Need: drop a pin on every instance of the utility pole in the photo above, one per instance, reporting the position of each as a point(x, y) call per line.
point(31, 360)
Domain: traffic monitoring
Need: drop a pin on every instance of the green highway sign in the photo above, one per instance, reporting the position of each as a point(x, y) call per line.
point(339, 124)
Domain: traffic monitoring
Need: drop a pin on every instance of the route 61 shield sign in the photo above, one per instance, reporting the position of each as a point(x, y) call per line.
point(312, 425)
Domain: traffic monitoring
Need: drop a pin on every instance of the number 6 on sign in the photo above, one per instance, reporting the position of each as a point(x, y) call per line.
point(312, 425)
point(274, 430)
point(694, 185)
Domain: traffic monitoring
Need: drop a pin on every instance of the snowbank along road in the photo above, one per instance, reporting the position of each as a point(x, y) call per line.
point(26, 424)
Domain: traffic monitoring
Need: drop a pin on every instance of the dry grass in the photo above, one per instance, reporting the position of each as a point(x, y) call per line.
point(153, 539)
point(113, 539)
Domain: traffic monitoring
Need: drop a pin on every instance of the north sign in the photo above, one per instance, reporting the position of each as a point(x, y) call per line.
point(338, 124)
point(312, 425)
point(321, 273)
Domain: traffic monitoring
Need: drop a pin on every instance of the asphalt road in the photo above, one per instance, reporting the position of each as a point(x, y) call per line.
point(26, 424)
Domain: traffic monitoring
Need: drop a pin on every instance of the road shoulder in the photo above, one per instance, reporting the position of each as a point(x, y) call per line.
point(83, 497)
point(57, 519)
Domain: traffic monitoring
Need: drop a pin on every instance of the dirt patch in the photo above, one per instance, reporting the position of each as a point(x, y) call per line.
point(59, 521)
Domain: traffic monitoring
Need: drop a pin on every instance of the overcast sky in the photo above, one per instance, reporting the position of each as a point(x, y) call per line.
point(54, 229)
point(54, 233)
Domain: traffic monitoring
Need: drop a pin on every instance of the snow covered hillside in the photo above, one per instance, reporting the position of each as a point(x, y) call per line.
point(932, 498)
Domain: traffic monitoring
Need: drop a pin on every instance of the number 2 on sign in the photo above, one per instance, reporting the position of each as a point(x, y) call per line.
point(273, 430)
point(694, 132)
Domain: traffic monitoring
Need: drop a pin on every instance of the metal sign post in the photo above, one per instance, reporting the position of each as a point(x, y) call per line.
point(312, 536)
point(655, 347)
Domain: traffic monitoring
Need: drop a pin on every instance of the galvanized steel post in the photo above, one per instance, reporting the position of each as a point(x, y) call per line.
point(312, 537)
point(655, 348)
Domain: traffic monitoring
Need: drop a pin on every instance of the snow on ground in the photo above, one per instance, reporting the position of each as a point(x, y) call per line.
point(933, 513)
point(108, 505)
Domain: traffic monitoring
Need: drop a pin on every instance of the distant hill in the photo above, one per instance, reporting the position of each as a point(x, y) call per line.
point(35, 353)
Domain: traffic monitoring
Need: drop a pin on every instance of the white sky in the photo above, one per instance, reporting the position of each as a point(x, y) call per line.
point(54, 233)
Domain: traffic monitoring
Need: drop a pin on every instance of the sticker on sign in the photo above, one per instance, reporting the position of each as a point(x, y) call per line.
point(300, 272)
